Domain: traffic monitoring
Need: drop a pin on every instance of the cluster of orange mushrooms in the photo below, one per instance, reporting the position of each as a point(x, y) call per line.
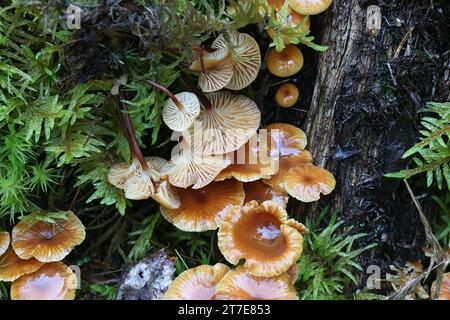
point(226, 174)
point(31, 258)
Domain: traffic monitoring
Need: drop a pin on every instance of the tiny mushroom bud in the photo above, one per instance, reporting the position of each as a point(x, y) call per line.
point(54, 281)
point(198, 283)
point(45, 241)
point(240, 285)
point(12, 267)
point(309, 7)
point(260, 192)
point(287, 95)
point(203, 209)
point(444, 293)
point(246, 58)
point(294, 20)
point(259, 234)
point(4, 241)
point(305, 182)
point(285, 63)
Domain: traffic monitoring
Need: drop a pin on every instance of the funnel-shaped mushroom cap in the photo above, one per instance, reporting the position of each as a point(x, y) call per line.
point(190, 168)
point(203, 209)
point(47, 242)
point(293, 20)
point(444, 293)
point(4, 242)
point(251, 162)
point(260, 192)
point(245, 56)
point(285, 63)
point(259, 234)
point(287, 95)
point(54, 281)
point(285, 164)
point(228, 125)
point(181, 117)
point(239, 285)
point(306, 182)
point(309, 7)
point(198, 283)
point(12, 267)
point(216, 69)
point(289, 140)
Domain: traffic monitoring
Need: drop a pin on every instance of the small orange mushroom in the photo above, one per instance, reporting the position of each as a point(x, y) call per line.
point(240, 285)
point(203, 209)
point(310, 7)
point(259, 234)
point(285, 63)
point(306, 182)
point(289, 140)
point(300, 22)
point(4, 241)
point(54, 281)
point(12, 267)
point(287, 95)
point(198, 283)
point(47, 242)
point(444, 293)
point(260, 192)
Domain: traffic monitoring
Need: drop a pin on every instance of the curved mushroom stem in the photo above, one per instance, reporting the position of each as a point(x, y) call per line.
point(166, 92)
point(130, 134)
point(199, 93)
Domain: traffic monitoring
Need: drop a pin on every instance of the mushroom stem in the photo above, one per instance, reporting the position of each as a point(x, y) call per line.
point(166, 92)
point(200, 95)
point(130, 134)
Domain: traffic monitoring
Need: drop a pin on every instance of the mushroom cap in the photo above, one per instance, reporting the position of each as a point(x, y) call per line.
point(285, 164)
point(293, 19)
point(181, 119)
point(240, 285)
point(293, 273)
point(54, 281)
point(260, 192)
point(198, 283)
point(47, 242)
point(444, 293)
point(203, 209)
point(309, 7)
point(259, 234)
point(245, 56)
point(251, 162)
point(190, 168)
point(305, 182)
point(4, 242)
point(297, 225)
point(12, 267)
point(289, 140)
point(120, 173)
point(285, 63)
point(228, 125)
point(287, 95)
point(216, 69)
point(167, 196)
point(277, 5)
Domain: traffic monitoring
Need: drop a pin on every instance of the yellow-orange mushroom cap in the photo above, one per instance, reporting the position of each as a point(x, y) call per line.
point(4, 242)
point(293, 20)
point(240, 285)
point(203, 209)
point(310, 7)
point(54, 281)
point(165, 194)
point(287, 95)
point(285, 164)
point(444, 293)
point(47, 242)
point(260, 192)
point(251, 162)
point(259, 234)
point(245, 56)
point(285, 63)
point(289, 140)
point(306, 182)
point(198, 283)
point(12, 267)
